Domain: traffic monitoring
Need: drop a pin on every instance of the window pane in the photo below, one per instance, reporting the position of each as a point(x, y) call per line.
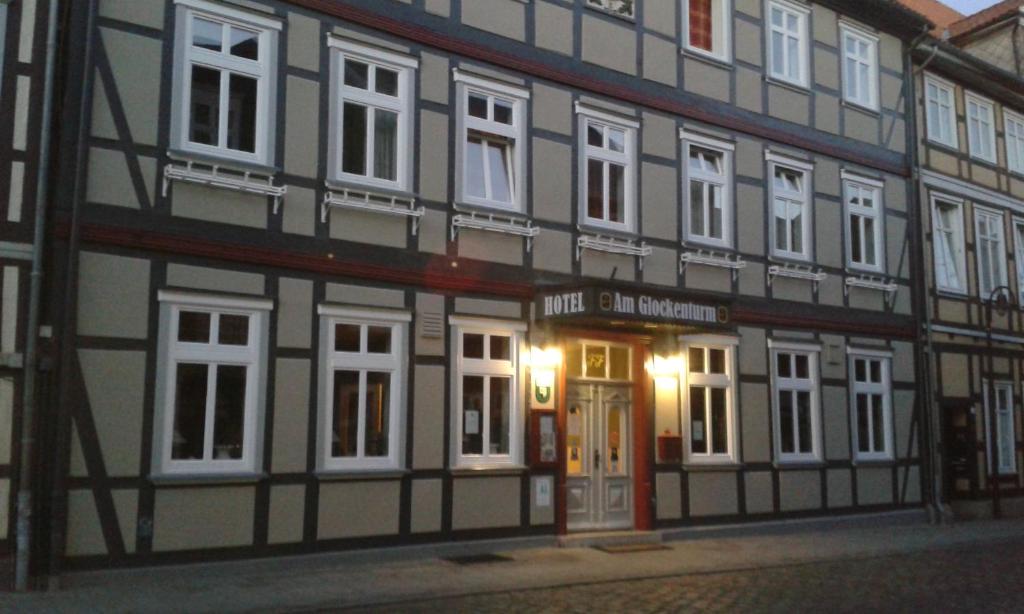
point(596, 361)
point(189, 411)
point(876, 371)
point(869, 241)
point(229, 415)
point(855, 239)
point(574, 360)
point(207, 34)
point(719, 422)
point(472, 414)
point(614, 438)
point(716, 362)
point(194, 327)
point(715, 211)
point(478, 106)
point(783, 362)
point(378, 402)
point(802, 366)
point(353, 141)
point(595, 136)
point(878, 422)
point(245, 44)
point(696, 360)
point(697, 223)
point(860, 370)
point(778, 61)
point(357, 74)
point(503, 112)
point(346, 338)
point(378, 339)
point(786, 421)
point(616, 193)
point(781, 226)
point(700, 24)
point(472, 345)
point(499, 414)
point(501, 184)
point(793, 57)
point(797, 230)
point(234, 330)
point(863, 428)
point(500, 347)
point(618, 363)
point(387, 82)
point(242, 113)
point(698, 434)
point(474, 172)
point(204, 119)
point(803, 403)
point(616, 140)
point(385, 145)
point(345, 435)
point(595, 189)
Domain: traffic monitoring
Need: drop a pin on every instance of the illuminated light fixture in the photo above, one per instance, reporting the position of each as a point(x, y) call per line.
point(665, 366)
point(543, 364)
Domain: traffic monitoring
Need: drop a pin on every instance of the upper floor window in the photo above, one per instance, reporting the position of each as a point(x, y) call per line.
point(710, 398)
point(988, 238)
point(210, 378)
point(706, 27)
point(864, 222)
point(790, 194)
point(626, 8)
point(708, 191)
point(492, 143)
point(1006, 437)
point(224, 95)
point(372, 115)
point(796, 402)
point(608, 170)
point(981, 128)
point(1014, 126)
point(787, 42)
point(870, 392)
point(948, 244)
point(940, 111)
point(1018, 237)
point(860, 67)
point(363, 387)
point(486, 373)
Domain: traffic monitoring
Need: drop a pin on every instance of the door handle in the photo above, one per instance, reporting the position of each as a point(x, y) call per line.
point(597, 459)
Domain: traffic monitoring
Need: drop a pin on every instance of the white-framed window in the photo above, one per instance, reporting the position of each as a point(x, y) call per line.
point(1018, 244)
point(607, 170)
point(991, 250)
point(1006, 436)
point(707, 28)
point(871, 402)
point(210, 386)
point(491, 143)
point(981, 127)
point(864, 236)
point(363, 386)
point(796, 404)
point(940, 111)
point(623, 8)
point(860, 67)
point(791, 207)
point(371, 115)
point(486, 371)
point(710, 395)
point(708, 190)
point(224, 82)
point(948, 244)
point(787, 42)
point(1014, 128)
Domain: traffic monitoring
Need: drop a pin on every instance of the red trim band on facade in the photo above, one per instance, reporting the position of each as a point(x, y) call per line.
point(603, 88)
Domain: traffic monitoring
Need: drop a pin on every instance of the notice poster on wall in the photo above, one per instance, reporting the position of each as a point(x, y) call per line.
point(543, 494)
point(548, 453)
point(698, 431)
point(472, 420)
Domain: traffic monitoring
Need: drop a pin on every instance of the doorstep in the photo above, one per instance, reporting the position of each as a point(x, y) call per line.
point(594, 539)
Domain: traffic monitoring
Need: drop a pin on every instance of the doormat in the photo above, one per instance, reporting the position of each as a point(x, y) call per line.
point(630, 548)
point(477, 559)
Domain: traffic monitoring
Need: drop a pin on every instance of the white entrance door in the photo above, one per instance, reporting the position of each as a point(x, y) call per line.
point(599, 455)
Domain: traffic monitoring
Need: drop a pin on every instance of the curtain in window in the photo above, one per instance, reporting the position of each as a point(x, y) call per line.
point(700, 24)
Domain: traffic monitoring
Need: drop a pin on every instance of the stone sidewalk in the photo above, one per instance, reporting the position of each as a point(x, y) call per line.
point(399, 577)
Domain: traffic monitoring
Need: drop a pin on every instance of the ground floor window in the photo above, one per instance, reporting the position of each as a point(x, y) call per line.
point(709, 396)
point(871, 391)
point(1006, 437)
point(795, 401)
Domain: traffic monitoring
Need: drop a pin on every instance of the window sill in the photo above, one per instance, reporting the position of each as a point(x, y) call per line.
point(488, 470)
point(873, 462)
point(950, 148)
point(856, 106)
point(706, 58)
point(185, 155)
point(185, 479)
point(789, 85)
point(618, 233)
point(993, 164)
point(952, 294)
point(464, 207)
point(346, 184)
point(342, 475)
point(798, 464)
point(710, 467)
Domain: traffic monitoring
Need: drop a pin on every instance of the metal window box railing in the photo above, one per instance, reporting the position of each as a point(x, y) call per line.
point(796, 271)
point(612, 245)
point(711, 258)
point(217, 176)
point(495, 222)
point(870, 282)
point(363, 200)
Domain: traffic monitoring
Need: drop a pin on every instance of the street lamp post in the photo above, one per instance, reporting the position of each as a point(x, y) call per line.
point(1000, 299)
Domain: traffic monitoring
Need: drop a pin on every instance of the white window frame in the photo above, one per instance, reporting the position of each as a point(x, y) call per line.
point(1011, 467)
point(802, 14)
point(171, 352)
point(518, 97)
point(811, 385)
point(626, 158)
point(981, 134)
point(959, 245)
point(852, 183)
point(868, 97)
point(603, 6)
point(992, 215)
point(726, 381)
point(723, 181)
point(393, 363)
point(883, 389)
point(483, 367)
point(720, 31)
point(263, 70)
point(936, 128)
point(402, 105)
point(1013, 127)
point(1018, 246)
point(805, 199)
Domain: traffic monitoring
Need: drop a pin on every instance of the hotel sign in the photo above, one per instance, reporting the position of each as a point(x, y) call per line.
point(629, 305)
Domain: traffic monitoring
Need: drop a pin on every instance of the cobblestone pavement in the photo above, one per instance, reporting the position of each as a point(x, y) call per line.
point(967, 578)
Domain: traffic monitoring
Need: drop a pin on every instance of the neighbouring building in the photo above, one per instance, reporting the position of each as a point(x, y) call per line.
point(332, 275)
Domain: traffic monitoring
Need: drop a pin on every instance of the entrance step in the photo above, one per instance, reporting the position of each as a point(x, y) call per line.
point(598, 539)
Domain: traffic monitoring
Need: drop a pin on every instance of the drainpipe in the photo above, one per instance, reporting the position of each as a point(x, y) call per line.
point(23, 527)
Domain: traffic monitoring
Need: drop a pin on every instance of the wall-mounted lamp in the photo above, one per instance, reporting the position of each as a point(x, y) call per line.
point(543, 364)
point(665, 366)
